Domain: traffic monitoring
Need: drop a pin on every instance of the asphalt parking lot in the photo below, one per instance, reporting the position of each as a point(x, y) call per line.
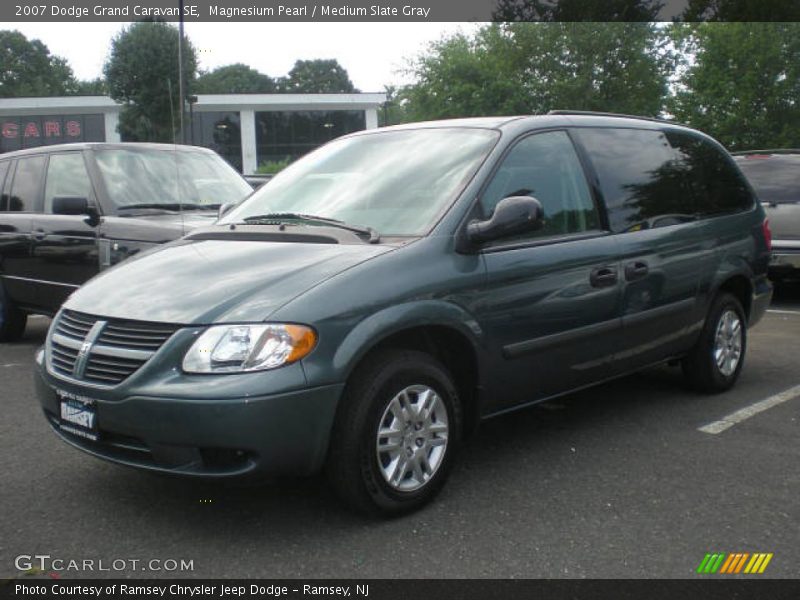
point(614, 482)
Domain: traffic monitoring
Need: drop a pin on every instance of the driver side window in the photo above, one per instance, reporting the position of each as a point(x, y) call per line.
point(546, 167)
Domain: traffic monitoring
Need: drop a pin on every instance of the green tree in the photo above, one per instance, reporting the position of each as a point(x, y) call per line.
point(317, 77)
point(142, 74)
point(536, 67)
point(464, 76)
point(743, 84)
point(28, 69)
point(91, 87)
point(234, 79)
point(577, 10)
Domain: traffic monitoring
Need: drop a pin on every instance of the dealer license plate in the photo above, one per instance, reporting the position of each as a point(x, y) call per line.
point(78, 415)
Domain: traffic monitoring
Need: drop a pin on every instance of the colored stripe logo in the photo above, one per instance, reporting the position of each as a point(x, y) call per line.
point(734, 563)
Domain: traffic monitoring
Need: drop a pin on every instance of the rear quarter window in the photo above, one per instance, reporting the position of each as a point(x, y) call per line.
point(718, 187)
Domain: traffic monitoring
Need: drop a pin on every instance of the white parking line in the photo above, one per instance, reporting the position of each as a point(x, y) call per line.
point(750, 411)
point(783, 312)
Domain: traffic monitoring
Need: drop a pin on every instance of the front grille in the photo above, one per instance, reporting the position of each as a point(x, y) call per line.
point(114, 349)
point(74, 325)
point(130, 334)
point(62, 358)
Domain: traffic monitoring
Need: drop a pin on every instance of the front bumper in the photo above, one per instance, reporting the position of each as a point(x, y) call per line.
point(269, 435)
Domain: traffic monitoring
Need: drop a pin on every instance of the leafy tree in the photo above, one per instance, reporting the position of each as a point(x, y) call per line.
point(92, 87)
point(464, 76)
point(234, 79)
point(142, 74)
point(744, 82)
point(577, 10)
point(28, 69)
point(393, 110)
point(536, 67)
point(742, 10)
point(317, 77)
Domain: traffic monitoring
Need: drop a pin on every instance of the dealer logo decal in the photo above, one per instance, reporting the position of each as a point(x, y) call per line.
point(734, 563)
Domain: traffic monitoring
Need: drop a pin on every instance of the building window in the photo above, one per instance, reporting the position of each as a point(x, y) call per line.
point(282, 135)
point(220, 131)
point(17, 133)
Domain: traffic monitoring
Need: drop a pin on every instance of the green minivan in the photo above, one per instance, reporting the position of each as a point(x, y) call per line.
point(364, 311)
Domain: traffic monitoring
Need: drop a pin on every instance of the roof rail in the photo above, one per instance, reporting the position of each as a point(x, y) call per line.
point(769, 151)
point(591, 113)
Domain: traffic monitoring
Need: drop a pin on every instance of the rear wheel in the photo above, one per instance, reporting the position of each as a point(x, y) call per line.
point(396, 434)
point(12, 320)
point(716, 360)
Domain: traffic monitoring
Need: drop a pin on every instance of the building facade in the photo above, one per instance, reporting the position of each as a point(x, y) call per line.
point(248, 130)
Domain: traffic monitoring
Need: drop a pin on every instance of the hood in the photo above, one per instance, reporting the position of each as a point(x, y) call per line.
point(214, 281)
point(190, 219)
point(158, 228)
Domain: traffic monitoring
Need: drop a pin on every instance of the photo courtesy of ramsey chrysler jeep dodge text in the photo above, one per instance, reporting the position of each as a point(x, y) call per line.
point(363, 311)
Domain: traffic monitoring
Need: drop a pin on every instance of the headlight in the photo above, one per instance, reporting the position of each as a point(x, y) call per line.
point(244, 348)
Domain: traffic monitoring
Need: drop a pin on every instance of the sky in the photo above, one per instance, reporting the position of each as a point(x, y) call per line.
point(373, 54)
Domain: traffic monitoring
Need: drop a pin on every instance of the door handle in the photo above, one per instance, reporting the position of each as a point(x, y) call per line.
point(38, 234)
point(636, 270)
point(603, 277)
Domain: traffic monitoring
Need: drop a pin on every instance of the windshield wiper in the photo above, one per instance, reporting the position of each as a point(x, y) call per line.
point(169, 206)
point(282, 217)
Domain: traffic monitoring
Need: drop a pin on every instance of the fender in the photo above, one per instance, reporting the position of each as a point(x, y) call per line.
point(419, 313)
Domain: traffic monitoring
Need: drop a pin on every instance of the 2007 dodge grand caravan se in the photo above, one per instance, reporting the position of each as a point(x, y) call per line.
point(382, 295)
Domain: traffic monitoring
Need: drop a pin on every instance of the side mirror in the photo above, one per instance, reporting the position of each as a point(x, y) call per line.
point(76, 205)
point(512, 216)
point(225, 209)
point(70, 205)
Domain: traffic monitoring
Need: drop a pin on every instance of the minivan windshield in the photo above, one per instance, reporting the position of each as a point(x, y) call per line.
point(168, 179)
point(775, 177)
point(396, 183)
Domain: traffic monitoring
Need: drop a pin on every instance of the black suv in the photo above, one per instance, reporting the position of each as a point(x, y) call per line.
point(69, 211)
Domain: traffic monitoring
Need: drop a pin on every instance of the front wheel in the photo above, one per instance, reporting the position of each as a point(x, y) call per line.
point(12, 320)
point(714, 363)
point(396, 433)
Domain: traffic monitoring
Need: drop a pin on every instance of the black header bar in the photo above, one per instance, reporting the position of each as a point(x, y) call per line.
point(12, 11)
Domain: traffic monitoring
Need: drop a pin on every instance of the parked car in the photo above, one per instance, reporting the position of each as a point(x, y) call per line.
point(69, 211)
point(439, 274)
point(775, 175)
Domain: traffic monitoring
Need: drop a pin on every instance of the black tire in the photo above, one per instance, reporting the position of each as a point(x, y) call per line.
point(353, 466)
point(12, 320)
point(700, 365)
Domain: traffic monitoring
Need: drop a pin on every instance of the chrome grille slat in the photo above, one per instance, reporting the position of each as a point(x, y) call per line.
point(103, 378)
point(78, 319)
point(105, 371)
point(120, 349)
point(114, 362)
point(111, 370)
point(67, 329)
point(146, 330)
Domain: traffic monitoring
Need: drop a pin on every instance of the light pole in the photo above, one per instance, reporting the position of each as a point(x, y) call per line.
point(181, 90)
